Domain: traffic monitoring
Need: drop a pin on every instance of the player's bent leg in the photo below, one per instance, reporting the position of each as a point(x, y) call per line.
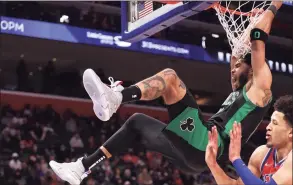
point(143, 129)
point(166, 83)
point(107, 99)
point(138, 127)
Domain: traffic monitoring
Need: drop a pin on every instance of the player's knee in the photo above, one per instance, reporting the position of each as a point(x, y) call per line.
point(170, 76)
point(137, 116)
point(176, 89)
point(134, 121)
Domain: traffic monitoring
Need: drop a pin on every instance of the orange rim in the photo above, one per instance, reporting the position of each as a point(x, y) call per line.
point(224, 9)
point(168, 2)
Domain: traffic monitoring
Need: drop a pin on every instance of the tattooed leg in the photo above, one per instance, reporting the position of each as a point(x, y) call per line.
point(153, 87)
point(159, 84)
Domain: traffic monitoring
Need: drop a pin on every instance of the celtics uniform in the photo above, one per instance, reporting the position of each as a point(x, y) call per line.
point(237, 107)
point(189, 132)
point(183, 141)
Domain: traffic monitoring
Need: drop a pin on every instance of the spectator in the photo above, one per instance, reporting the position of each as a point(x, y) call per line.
point(107, 169)
point(22, 76)
point(38, 132)
point(91, 181)
point(10, 139)
point(44, 166)
point(116, 179)
point(33, 177)
point(49, 74)
point(15, 163)
point(7, 117)
point(130, 157)
point(128, 176)
point(76, 144)
point(176, 177)
point(71, 125)
point(144, 177)
point(88, 18)
point(127, 183)
point(27, 112)
point(154, 159)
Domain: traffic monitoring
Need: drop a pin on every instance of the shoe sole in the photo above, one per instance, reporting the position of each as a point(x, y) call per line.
point(64, 176)
point(94, 87)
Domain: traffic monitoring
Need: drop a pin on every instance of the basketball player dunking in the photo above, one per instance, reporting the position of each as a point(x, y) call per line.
point(271, 162)
point(183, 141)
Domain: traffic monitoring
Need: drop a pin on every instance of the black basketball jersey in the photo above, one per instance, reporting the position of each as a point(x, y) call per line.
point(237, 107)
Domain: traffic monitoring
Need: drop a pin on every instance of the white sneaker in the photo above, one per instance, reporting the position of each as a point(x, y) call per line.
point(73, 172)
point(106, 99)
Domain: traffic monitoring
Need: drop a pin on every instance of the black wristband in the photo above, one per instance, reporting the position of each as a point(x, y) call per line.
point(258, 34)
point(273, 8)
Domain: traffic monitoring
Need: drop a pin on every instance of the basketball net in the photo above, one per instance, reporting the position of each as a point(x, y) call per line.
point(238, 21)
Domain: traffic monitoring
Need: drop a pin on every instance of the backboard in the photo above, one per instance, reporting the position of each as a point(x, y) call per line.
point(141, 19)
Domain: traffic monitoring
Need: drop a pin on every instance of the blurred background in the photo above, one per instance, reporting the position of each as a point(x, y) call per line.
point(46, 114)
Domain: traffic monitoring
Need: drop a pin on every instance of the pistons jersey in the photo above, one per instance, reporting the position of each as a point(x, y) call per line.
point(270, 165)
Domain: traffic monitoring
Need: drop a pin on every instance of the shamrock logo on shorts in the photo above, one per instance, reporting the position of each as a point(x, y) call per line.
point(187, 125)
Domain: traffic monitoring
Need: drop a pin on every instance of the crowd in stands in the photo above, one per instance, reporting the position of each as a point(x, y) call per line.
point(33, 136)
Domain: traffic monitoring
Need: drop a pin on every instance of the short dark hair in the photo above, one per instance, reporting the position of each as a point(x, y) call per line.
point(247, 59)
point(284, 104)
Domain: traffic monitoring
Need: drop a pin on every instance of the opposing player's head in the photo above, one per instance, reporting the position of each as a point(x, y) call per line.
point(241, 72)
point(279, 131)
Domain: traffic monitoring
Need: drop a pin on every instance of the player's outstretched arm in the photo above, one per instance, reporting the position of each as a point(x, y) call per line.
point(281, 177)
point(220, 176)
point(260, 92)
point(211, 159)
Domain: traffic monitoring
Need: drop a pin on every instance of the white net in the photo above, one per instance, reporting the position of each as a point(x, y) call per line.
point(238, 18)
